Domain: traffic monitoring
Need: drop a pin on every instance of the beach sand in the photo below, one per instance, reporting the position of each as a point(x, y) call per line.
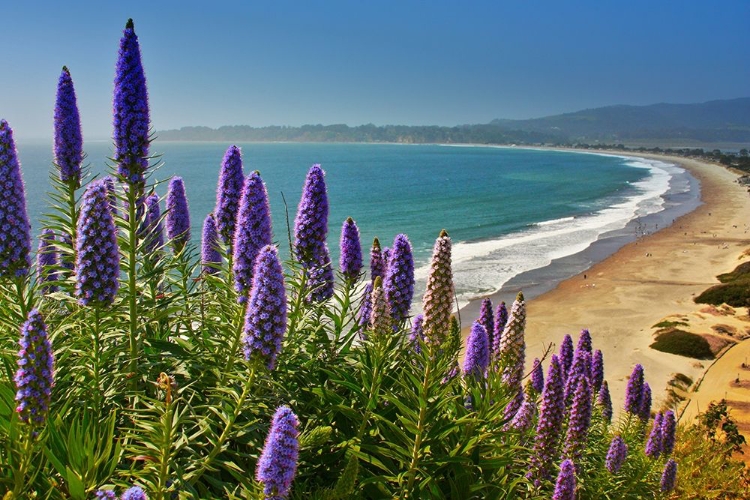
point(645, 281)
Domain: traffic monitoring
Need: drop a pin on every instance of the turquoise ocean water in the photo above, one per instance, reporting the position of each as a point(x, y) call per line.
point(508, 210)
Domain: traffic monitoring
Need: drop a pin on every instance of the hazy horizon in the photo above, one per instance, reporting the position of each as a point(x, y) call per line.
point(391, 63)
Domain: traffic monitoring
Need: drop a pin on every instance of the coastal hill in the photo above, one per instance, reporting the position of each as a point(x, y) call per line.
point(722, 121)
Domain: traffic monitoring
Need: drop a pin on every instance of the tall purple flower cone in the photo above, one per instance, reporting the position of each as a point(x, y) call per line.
point(565, 487)
point(634, 391)
point(109, 182)
point(584, 341)
point(351, 251)
point(655, 439)
point(597, 370)
point(228, 194)
point(487, 318)
point(265, 319)
point(399, 279)
point(668, 476)
point(131, 112)
point(380, 317)
point(477, 352)
point(377, 261)
point(15, 231)
point(537, 376)
point(566, 355)
point(416, 336)
point(252, 232)
point(645, 409)
point(604, 401)
point(513, 350)
point(35, 375)
point(579, 421)
point(277, 464)
point(668, 428)
point(549, 426)
point(46, 261)
point(437, 302)
point(154, 228)
point(68, 146)
point(178, 215)
point(524, 417)
point(501, 318)
point(210, 256)
point(616, 455)
point(581, 368)
point(311, 223)
point(97, 267)
point(320, 279)
point(365, 308)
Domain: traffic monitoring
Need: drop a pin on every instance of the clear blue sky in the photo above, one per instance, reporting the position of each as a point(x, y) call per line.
point(383, 62)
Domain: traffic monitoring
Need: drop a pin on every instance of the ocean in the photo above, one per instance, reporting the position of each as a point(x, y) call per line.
point(519, 218)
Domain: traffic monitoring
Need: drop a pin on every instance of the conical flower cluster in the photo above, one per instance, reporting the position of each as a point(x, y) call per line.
point(15, 231)
point(210, 256)
point(604, 401)
point(97, 267)
point(46, 261)
point(581, 368)
point(365, 308)
point(416, 336)
point(565, 486)
point(655, 439)
point(616, 455)
point(377, 261)
point(380, 317)
point(513, 345)
point(644, 412)
point(668, 427)
point(537, 376)
point(178, 215)
point(597, 371)
point(668, 476)
point(579, 421)
point(134, 493)
point(477, 352)
point(524, 417)
point(253, 232)
point(399, 279)
point(351, 251)
point(487, 319)
point(437, 303)
point(566, 355)
point(501, 318)
point(35, 375)
point(131, 112)
point(277, 464)
point(154, 231)
point(68, 146)
point(228, 194)
point(551, 415)
point(634, 391)
point(265, 319)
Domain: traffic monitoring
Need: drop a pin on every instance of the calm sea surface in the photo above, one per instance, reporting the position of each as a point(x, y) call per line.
point(508, 210)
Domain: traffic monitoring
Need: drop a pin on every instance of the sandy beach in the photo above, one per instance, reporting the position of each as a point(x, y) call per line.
point(644, 282)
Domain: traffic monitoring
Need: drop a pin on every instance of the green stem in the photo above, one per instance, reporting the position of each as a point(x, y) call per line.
point(27, 450)
point(219, 446)
point(19, 283)
point(415, 454)
point(374, 390)
point(166, 448)
point(97, 361)
point(132, 292)
point(232, 355)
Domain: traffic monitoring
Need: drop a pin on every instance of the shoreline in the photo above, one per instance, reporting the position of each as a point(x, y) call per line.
point(626, 292)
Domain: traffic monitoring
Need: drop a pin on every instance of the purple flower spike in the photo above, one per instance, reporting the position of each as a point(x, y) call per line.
point(565, 487)
point(15, 231)
point(597, 370)
point(320, 279)
point(228, 193)
point(604, 401)
point(155, 230)
point(377, 262)
point(311, 223)
point(477, 352)
point(581, 368)
point(537, 376)
point(616, 455)
point(351, 251)
point(549, 426)
point(365, 308)
point(380, 319)
point(634, 391)
point(653, 445)
point(668, 476)
point(417, 334)
point(566, 355)
point(437, 302)
point(399, 280)
point(265, 320)
point(35, 375)
point(97, 267)
point(487, 318)
point(178, 215)
point(277, 464)
point(252, 232)
point(68, 146)
point(524, 417)
point(131, 114)
point(46, 261)
point(501, 318)
point(668, 427)
point(579, 422)
point(645, 410)
point(134, 493)
point(584, 341)
point(513, 346)
point(210, 256)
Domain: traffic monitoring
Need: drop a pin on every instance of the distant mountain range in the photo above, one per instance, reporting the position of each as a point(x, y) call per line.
point(721, 121)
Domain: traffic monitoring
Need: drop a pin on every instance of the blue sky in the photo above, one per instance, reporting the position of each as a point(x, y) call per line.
point(384, 62)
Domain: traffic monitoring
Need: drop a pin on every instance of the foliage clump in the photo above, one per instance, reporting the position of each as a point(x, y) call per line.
point(683, 343)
